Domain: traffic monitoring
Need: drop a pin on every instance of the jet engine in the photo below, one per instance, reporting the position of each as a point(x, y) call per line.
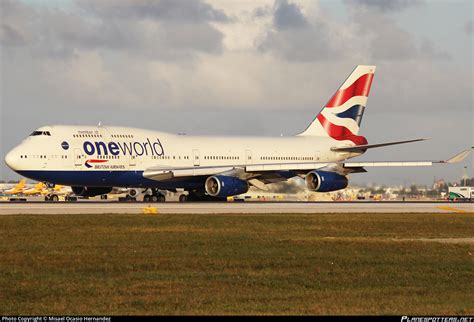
point(91, 191)
point(323, 181)
point(225, 186)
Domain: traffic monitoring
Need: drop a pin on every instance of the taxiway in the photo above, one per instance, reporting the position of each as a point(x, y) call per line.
point(231, 208)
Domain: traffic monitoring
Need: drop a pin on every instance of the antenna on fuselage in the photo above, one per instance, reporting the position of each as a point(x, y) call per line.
point(100, 123)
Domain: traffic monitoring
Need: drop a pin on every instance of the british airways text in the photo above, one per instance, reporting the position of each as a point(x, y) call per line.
point(126, 148)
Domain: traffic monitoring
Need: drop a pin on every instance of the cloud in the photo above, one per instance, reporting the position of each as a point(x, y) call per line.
point(295, 37)
point(288, 16)
point(469, 27)
point(299, 35)
point(430, 51)
point(178, 11)
point(157, 30)
point(387, 41)
point(10, 37)
point(384, 6)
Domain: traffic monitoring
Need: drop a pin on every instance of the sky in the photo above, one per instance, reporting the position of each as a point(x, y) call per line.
point(223, 67)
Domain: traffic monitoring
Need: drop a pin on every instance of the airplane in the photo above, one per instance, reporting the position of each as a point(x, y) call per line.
point(94, 159)
point(38, 189)
point(17, 189)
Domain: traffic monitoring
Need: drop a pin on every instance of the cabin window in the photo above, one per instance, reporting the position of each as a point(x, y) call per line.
point(36, 133)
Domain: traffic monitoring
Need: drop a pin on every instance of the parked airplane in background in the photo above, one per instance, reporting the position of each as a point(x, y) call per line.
point(17, 189)
point(93, 159)
point(38, 189)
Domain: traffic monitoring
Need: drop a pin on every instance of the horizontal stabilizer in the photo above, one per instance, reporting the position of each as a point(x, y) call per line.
point(362, 148)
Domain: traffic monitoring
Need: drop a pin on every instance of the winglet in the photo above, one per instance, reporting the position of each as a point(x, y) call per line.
point(459, 157)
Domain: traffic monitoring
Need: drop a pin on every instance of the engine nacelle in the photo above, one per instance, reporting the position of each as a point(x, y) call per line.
point(225, 186)
point(322, 181)
point(91, 191)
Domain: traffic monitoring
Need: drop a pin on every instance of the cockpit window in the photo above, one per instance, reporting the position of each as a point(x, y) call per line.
point(35, 133)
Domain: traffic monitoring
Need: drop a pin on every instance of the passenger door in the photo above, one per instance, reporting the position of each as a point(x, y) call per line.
point(196, 160)
point(77, 158)
point(248, 157)
point(317, 156)
point(133, 160)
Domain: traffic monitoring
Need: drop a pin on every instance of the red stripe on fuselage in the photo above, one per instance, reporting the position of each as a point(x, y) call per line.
point(361, 87)
point(96, 161)
point(340, 133)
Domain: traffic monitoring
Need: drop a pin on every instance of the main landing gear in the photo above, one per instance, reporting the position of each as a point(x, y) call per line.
point(197, 195)
point(155, 196)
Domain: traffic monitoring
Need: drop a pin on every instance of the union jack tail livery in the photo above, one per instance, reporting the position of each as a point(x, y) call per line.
point(341, 117)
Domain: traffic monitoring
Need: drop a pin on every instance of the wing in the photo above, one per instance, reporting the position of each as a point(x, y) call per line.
point(260, 174)
point(455, 159)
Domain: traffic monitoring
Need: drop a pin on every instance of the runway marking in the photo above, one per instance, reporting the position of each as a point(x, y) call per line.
point(452, 209)
point(150, 211)
point(450, 240)
point(462, 240)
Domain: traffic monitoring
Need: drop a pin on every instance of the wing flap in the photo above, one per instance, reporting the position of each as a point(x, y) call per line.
point(161, 174)
point(258, 184)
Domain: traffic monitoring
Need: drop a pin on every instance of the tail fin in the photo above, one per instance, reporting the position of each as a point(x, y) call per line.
point(21, 184)
point(39, 185)
point(340, 118)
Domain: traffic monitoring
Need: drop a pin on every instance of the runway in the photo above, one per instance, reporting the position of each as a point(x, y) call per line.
point(231, 208)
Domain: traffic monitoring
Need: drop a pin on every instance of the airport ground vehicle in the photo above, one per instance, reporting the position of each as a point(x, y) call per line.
point(461, 193)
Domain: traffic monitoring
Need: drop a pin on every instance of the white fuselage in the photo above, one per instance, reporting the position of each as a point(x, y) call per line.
point(72, 154)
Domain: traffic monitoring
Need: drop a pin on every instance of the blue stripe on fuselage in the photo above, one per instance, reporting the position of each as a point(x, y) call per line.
point(111, 179)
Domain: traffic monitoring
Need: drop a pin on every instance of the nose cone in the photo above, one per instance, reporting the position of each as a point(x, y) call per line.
point(11, 159)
